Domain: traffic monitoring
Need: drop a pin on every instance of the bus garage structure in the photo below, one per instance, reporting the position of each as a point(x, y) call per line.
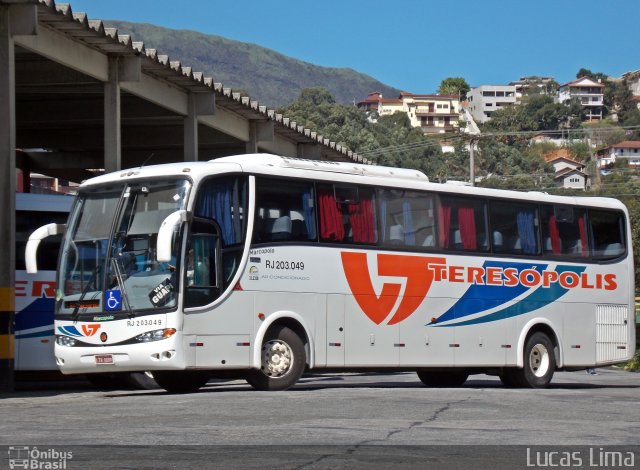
point(75, 95)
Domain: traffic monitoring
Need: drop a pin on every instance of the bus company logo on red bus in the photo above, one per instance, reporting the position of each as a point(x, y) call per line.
point(35, 289)
point(421, 271)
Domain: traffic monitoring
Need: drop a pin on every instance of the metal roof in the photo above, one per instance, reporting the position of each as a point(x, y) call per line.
point(94, 34)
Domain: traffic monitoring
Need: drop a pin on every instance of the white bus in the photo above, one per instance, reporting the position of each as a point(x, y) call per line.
point(35, 293)
point(35, 296)
point(267, 266)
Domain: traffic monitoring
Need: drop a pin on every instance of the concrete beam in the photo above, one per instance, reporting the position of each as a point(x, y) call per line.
point(72, 54)
point(310, 151)
point(228, 122)
point(280, 146)
point(129, 68)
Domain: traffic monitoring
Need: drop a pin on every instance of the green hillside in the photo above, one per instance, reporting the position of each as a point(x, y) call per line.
point(272, 78)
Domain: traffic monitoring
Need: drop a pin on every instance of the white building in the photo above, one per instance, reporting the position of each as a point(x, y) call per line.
point(533, 85)
point(486, 99)
point(629, 150)
point(568, 172)
point(434, 114)
point(590, 94)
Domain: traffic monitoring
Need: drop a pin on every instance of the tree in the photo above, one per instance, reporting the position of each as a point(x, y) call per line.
point(454, 86)
point(595, 76)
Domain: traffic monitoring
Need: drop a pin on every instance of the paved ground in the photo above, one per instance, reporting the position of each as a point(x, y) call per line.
point(387, 420)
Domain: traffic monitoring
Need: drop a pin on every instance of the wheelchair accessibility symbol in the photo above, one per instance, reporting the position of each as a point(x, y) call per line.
point(113, 300)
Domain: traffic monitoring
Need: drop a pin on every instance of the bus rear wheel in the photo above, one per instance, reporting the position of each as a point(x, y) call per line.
point(282, 361)
point(181, 381)
point(447, 378)
point(539, 364)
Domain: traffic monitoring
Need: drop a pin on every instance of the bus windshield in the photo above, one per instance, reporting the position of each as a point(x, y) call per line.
point(108, 261)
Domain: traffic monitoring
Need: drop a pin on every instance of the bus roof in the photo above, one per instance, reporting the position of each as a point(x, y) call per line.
point(341, 172)
point(43, 202)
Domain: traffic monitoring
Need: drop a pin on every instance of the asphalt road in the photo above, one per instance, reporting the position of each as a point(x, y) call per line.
point(326, 421)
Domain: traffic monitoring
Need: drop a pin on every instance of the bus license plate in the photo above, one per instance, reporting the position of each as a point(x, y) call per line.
point(104, 359)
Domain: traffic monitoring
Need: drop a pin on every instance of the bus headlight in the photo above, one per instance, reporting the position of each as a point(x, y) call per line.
point(62, 340)
point(155, 335)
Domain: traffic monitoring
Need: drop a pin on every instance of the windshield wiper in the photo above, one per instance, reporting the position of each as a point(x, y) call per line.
point(123, 291)
point(85, 290)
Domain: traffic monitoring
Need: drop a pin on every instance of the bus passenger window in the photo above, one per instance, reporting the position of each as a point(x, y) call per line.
point(284, 211)
point(608, 232)
point(407, 218)
point(347, 214)
point(564, 231)
point(514, 228)
point(462, 224)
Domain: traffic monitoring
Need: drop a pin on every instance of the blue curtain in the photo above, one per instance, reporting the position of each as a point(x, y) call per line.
point(215, 201)
point(383, 215)
point(407, 221)
point(309, 219)
point(527, 231)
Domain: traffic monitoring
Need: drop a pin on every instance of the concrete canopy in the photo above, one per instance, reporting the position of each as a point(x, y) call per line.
point(94, 99)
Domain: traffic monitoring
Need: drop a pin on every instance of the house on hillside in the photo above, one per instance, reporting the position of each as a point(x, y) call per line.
point(434, 114)
point(633, 82)
point(486, 99)
point(533, 85)
point(569, 173)
point(590, 94)
point(628, 150)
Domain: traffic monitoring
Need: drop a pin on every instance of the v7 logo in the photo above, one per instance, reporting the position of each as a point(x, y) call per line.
point(90, 329)
point(378, 307)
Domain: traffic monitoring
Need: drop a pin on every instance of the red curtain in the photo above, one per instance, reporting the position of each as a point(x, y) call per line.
point(362, 223)
point(584, 251)
point(331, 225)
point(555, 235)
point(444, 225)
point(467, 224)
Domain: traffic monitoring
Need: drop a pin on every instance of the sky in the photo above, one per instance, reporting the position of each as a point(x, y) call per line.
point(413, 45)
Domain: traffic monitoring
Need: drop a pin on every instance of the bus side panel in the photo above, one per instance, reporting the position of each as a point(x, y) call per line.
point(427, 346)
point(578, 333)
point(35, 302)
point(369, 344)
point(334, 339)
point(221, 337)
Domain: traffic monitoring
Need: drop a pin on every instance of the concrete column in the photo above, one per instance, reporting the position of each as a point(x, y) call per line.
point(259, 131)
point(112, 135)
point(191, 130)
point(252, 144)
point(7, 199)
point(15, 18)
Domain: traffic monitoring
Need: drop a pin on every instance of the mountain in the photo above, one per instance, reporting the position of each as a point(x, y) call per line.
point(266, 75)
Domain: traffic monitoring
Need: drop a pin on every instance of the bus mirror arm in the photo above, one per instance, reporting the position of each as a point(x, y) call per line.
point(35, 238)
point(165, 234)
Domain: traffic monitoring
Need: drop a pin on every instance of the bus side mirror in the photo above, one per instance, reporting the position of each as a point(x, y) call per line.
point(31, 250)
point(165, 234)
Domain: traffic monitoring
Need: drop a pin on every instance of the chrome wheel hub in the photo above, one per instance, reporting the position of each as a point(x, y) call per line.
point(539, 360)
point(277, 358)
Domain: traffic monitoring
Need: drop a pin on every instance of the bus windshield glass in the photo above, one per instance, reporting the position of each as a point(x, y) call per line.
point(108, 261)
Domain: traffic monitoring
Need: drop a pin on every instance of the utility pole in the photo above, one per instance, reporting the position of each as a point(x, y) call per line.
point(472, 164)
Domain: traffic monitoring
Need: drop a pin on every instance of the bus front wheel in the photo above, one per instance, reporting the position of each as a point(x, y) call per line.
point(282, 361)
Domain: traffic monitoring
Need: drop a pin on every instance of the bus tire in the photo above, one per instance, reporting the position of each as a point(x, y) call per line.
point(539, 362)
point(447, 378)
point(511, 378)
point(181, 381)
point(109, 381)
point(142, 381)
point(282, 358)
